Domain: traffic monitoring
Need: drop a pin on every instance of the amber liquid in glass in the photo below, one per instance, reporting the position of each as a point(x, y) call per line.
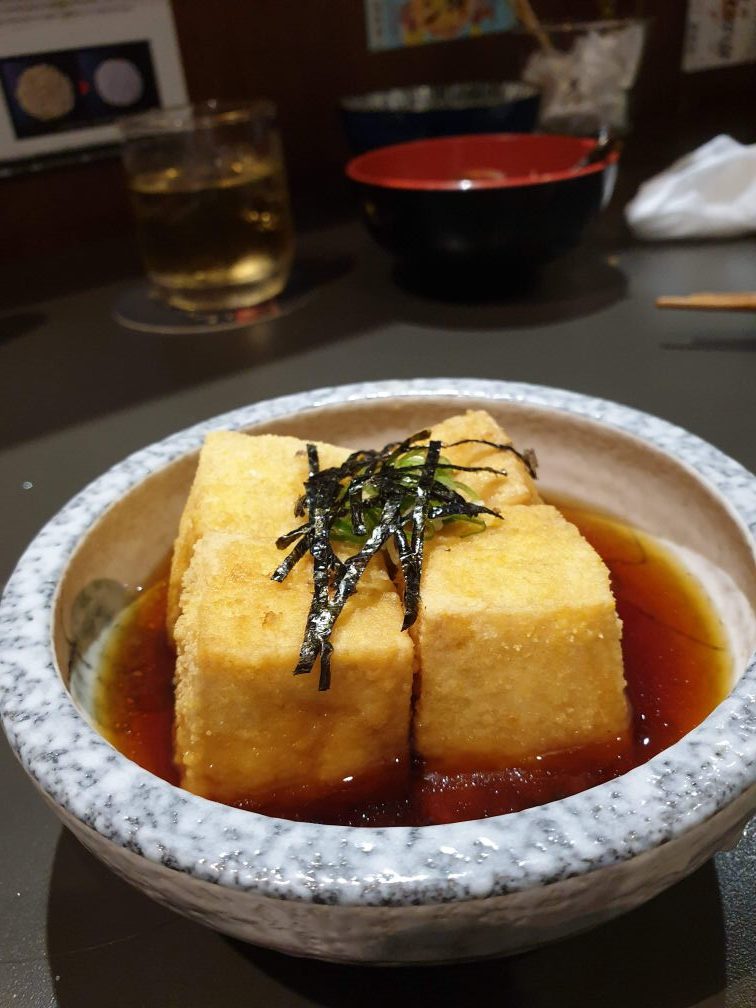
point(215, 240)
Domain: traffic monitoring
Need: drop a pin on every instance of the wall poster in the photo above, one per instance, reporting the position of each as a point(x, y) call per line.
point(392, 24)
point(719, 33)
point(70, 68)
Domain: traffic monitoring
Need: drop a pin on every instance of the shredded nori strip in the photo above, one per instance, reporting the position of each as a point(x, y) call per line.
point(412, 571)
point(381, 497)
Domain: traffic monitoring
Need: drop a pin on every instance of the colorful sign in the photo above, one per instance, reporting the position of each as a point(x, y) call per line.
point(392, 24)
point(70, 68)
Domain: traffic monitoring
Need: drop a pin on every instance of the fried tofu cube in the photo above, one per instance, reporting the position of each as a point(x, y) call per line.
point(247, 729)
point(518, 644)
point(516, 487)
point(246, 484)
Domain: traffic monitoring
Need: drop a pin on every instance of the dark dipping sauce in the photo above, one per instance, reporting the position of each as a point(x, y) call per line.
point(677, 669)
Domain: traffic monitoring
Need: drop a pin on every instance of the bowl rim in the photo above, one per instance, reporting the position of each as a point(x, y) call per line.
point(441, 97)
point(397, 866)
point(359, 169)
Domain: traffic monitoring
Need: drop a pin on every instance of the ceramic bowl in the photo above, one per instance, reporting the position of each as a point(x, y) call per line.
point(382, 118)
point(397, 895)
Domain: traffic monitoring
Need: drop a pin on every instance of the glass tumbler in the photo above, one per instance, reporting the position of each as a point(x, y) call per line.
point(587, 74)
point(208, 188)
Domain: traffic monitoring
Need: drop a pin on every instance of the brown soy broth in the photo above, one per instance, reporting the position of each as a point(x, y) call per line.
point(672, 641)
point(677, 669)
point(135, 700)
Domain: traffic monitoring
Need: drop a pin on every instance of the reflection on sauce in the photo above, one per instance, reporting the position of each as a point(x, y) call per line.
point(134, 703)
point(676, 665)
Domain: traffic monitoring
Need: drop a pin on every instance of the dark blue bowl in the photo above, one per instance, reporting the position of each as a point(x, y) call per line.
point(383, 118)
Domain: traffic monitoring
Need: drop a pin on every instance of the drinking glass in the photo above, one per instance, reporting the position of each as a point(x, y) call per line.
point(587, 75)
point(208, 188)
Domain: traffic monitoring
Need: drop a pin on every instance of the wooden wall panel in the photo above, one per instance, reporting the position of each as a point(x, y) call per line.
point(305, 54)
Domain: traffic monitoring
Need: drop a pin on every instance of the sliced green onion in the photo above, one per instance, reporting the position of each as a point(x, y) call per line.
point(468, 525)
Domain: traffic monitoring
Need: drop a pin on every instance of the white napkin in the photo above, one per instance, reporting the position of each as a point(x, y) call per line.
point(709, 193)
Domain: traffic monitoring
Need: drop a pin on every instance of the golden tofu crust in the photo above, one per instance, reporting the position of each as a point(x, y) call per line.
point(518, 644)
point(246, 727)
point(517, 487)
point(246, 484)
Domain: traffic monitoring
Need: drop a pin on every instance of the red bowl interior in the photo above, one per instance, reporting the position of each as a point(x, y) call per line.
point(477, 161)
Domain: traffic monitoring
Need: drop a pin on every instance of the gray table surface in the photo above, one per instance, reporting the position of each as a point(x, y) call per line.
point(79, 393)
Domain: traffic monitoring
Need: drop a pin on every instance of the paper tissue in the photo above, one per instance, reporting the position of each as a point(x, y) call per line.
point(709, 193)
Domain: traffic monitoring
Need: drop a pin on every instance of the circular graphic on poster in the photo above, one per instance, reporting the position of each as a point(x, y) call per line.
point(119, 82)
point(44, 92)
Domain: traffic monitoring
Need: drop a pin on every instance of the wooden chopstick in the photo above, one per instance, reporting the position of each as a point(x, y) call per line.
point(709, 301)
point(529, 20)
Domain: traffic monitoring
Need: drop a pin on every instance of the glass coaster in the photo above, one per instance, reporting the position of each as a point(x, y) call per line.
point(138, 309)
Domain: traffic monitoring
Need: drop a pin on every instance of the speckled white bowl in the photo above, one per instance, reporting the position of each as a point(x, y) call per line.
point(398, 895)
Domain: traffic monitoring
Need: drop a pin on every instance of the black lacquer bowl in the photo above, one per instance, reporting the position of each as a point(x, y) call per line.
point(481, 207)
